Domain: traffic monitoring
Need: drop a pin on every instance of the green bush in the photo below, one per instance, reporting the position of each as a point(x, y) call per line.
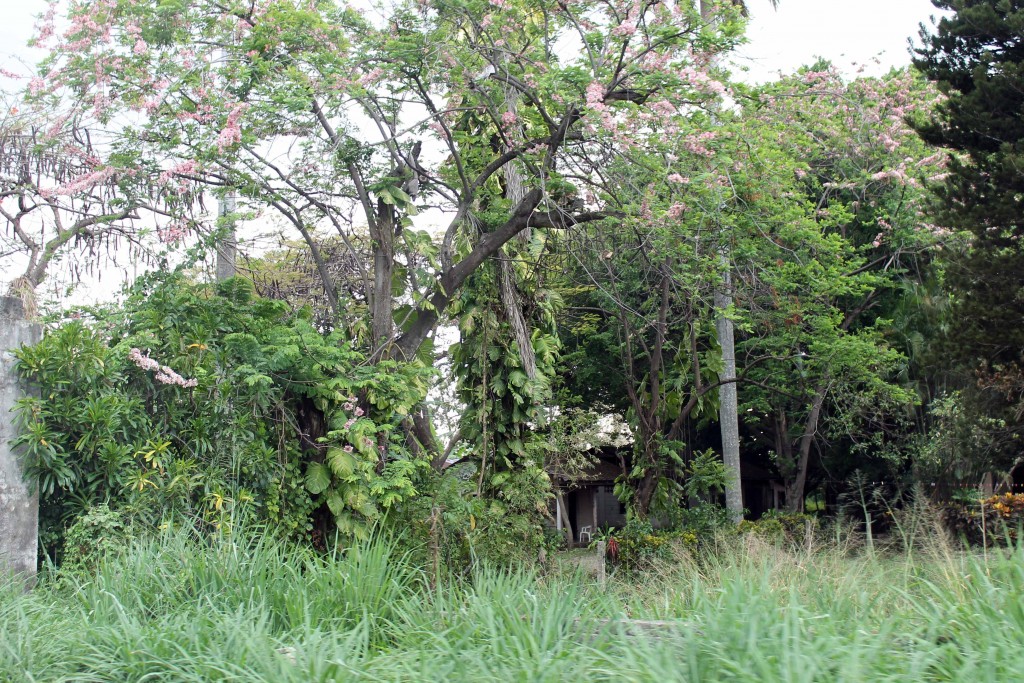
point(194, 401)
point(791, 527)
point(97, 534)
point(705, 520)
point(451, 530)
point(639, 547)
point(996, 520)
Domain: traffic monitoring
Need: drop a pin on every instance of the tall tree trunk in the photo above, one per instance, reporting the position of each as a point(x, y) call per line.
point(515, 190)
point(795, 489)
point(227, 246)
point(645, 493)
point(382, 314)
point(563, 509)
point(728, 412)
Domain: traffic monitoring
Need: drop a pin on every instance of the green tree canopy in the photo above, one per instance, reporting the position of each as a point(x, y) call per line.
point(976, 58)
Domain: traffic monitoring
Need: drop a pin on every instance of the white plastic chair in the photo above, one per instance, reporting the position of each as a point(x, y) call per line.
point(585, 531)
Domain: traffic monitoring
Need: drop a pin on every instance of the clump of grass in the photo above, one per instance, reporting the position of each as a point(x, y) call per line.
point(245, 607)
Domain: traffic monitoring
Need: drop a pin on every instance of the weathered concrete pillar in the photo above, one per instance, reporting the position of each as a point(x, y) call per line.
point(19, 504)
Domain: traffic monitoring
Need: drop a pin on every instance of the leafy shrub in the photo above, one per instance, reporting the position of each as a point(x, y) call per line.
point(450, 529)
point(554, 539)
point(994, 520)
point(704, 520)
point(638, 546)
point(95, 535)
point(190, 400)
point(790, 527)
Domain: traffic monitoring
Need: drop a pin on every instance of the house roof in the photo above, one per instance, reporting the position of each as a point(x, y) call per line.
point(600, 471)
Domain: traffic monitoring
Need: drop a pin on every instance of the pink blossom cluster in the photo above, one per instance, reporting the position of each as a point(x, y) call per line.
point(81, 184)
point(898, 174)
point(888, 142)
point(172, 233)
point(595, 96)
point(626, 28)
point(936, 230)
point(189, 167)
point(449, 59)
point(941, 159)
point(595, 101)
point(164, 374)
point(702, 81)
point(357, 412)
point(645, 205)
point(58, 125)
point(371, 77)
point(232, 132)
point(663, 107)
point(812, 76)
point(655, 61)
point(77, 152)
point(45, 28)
point(85, 30)
point(695, 143)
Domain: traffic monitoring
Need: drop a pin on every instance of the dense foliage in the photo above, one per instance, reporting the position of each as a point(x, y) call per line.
point(976, 59)
point(504, 210)
point(189, 401)
point(995, 520)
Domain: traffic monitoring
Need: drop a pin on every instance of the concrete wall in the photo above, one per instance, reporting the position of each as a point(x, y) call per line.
point(19, 506)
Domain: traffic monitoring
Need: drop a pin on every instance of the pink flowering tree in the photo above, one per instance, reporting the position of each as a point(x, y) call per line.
point(478, 120)
point(68, 203)
point(814, 188)
point(333, 118)
point(828, 286)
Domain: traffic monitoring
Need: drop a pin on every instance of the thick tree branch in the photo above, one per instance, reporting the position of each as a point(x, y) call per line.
point(456, 276)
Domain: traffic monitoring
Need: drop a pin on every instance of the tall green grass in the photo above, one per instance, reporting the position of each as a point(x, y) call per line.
point(244, 608)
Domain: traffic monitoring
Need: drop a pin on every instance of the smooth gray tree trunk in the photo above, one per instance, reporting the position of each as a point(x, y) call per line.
point(227, 247)
point(728, 411)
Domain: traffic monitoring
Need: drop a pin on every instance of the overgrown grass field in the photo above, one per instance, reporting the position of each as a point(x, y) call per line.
point(241, 608)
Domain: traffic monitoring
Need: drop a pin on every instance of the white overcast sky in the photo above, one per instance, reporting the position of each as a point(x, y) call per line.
point(841, 31)
point(795, 34)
